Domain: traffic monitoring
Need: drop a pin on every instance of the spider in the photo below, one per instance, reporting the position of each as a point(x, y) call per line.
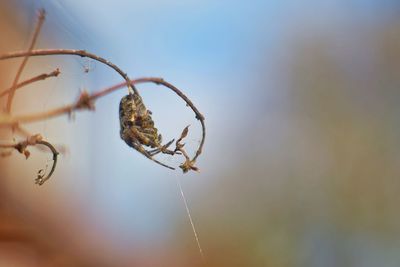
point(137, 128)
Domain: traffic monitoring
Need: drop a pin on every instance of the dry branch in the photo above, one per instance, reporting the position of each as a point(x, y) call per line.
point(85, 101)
point(21, 67)
point(39, 77)
point(81, 53)
point(34, 140)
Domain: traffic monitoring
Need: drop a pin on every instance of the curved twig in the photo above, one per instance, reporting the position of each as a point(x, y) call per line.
point(33, 140)
point(81, 53)
point(85, 101)
point(199, 116)
point(40, 180)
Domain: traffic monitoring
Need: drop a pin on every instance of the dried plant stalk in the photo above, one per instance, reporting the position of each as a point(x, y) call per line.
point(34, 140)
point(144, 126)
point(39, 77)
point(81, 53)
point(42, 14)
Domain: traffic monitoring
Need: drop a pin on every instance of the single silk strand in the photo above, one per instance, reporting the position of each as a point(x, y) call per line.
point(190, 219)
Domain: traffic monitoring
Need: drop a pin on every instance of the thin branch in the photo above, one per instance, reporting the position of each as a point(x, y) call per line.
point(39, 77)
point(34, 140)
point(21, 67)
point(86, 100)
point(25, 133)
point(81, 53)
point(7, 145)
point(38, 116)
point(40, 179)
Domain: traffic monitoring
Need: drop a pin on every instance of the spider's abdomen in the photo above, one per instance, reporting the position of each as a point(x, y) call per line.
point(127, 111)
point(136, 122)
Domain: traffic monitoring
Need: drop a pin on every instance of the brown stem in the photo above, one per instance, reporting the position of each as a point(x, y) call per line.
point(34, 140)
point(39, 77)
point(7, 145)
point(25, 133)
point(26, 57)
point(90, 98)
point(41, 115)
point(40, 180)
point(81, 53)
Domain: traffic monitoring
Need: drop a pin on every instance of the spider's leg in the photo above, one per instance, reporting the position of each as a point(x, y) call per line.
point(147, 135)
point(165, 150)
point(136, 145)
point(154, 152)
point(143, 136)
point(144, 152)
point(161, 148)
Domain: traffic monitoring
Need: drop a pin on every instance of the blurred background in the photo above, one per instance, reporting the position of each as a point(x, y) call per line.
point(301, 161)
